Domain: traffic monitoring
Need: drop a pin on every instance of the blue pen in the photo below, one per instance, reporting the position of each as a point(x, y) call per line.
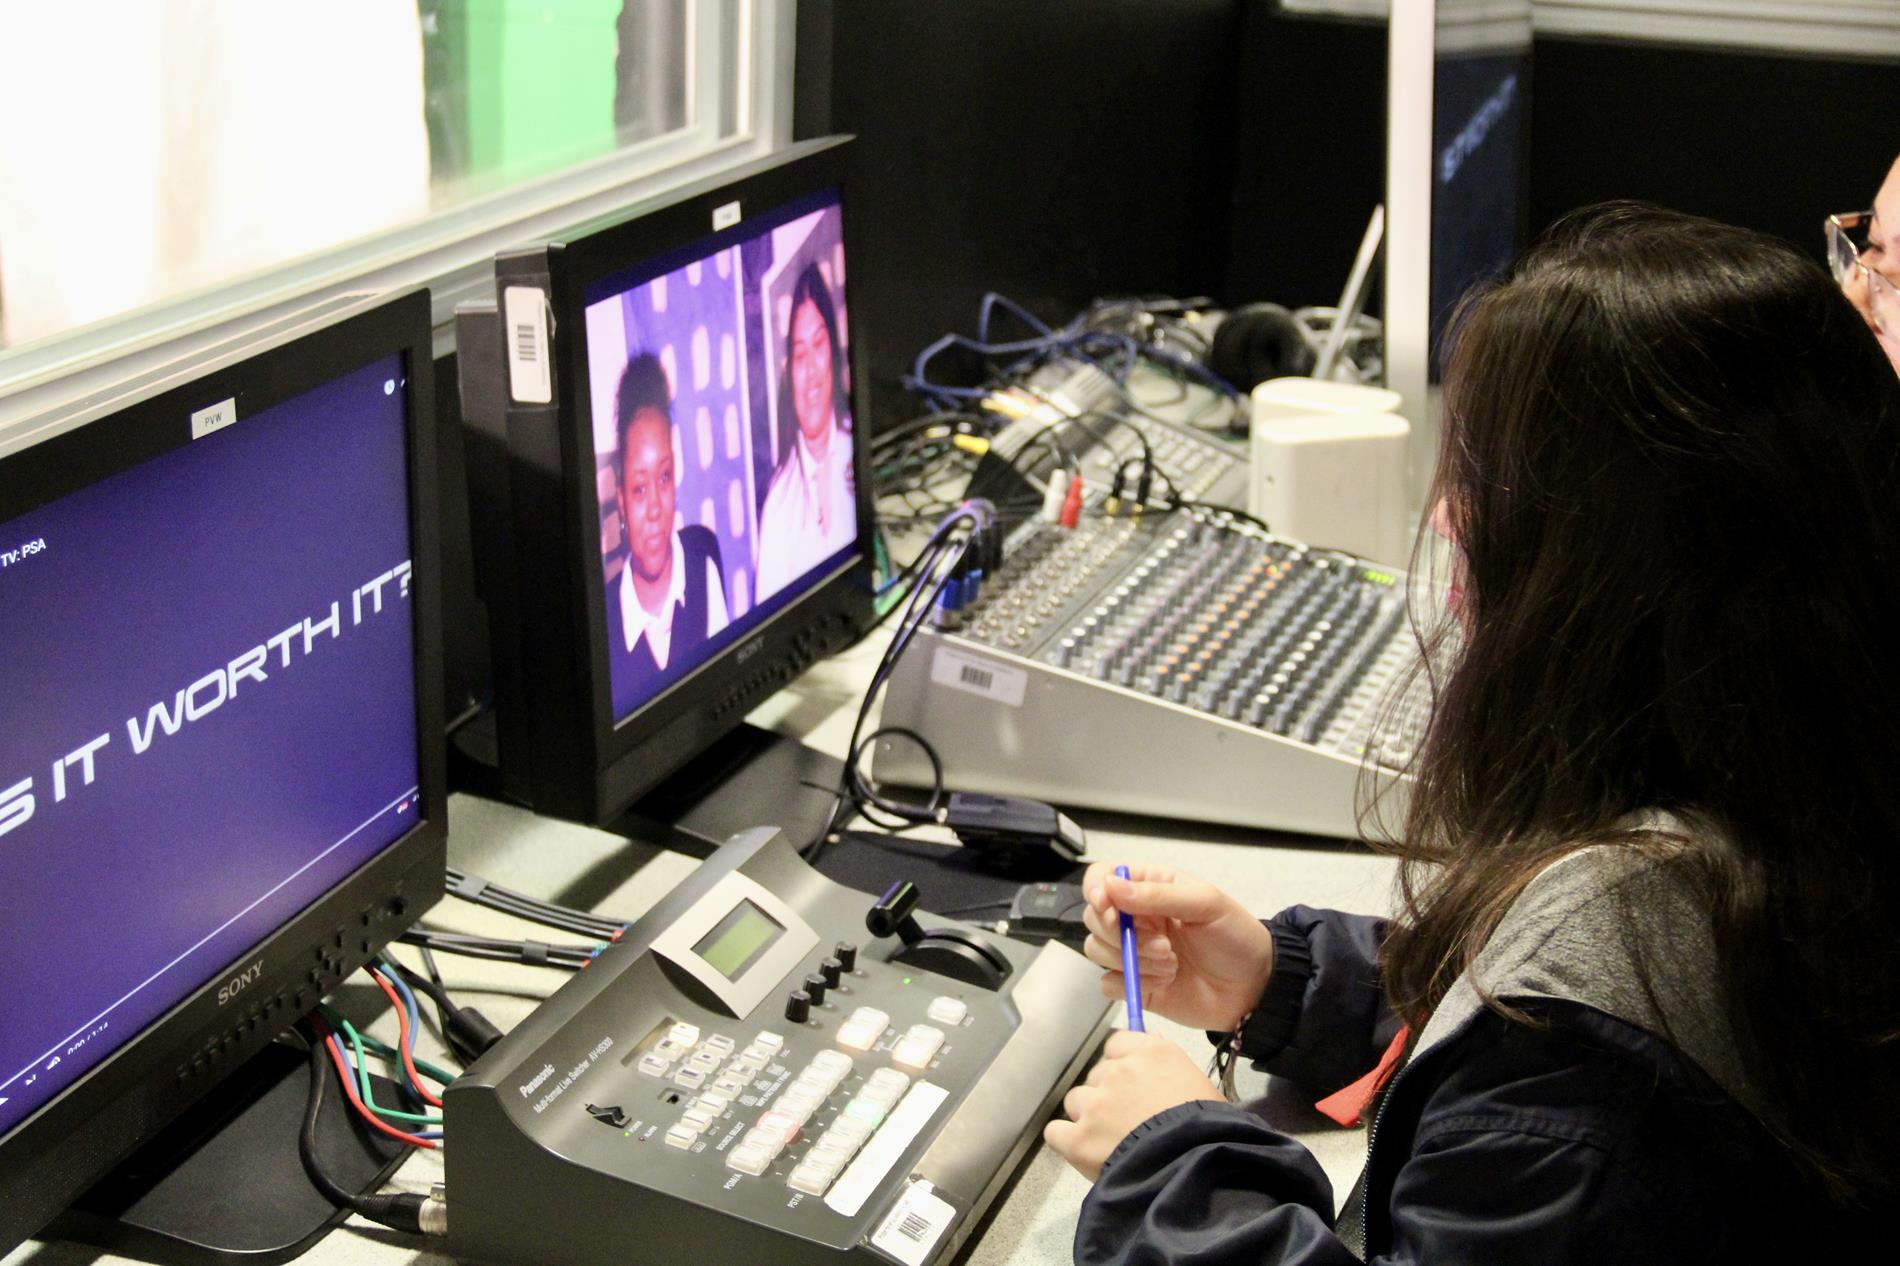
point(1131, 967)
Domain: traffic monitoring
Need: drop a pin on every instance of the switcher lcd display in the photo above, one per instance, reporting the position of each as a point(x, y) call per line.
point(207, 714)
point(738, 939)
point(722, 433)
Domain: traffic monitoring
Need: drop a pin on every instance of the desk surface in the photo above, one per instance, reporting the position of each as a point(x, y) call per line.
point(1034, 1221)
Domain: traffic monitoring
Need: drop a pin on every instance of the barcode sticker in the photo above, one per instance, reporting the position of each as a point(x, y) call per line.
point(525, 313)
point(987, 677)
point(915, 1224)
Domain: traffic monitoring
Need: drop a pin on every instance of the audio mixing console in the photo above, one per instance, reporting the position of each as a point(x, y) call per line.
point(1176, 665)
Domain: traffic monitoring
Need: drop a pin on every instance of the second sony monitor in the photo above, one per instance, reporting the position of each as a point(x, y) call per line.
point(723, 441)
point(670, 508)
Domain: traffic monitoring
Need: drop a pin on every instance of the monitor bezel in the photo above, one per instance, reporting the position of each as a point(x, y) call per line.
point(75, 1138)
point(633, 754)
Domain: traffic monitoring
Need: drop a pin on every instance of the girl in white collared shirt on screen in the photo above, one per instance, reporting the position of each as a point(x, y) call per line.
point(810, 510)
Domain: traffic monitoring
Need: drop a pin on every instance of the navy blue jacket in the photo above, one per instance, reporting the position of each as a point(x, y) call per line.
point(1587, 1140)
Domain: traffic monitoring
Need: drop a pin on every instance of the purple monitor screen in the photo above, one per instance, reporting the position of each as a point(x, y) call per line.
point(208, 717)
point(722, 432)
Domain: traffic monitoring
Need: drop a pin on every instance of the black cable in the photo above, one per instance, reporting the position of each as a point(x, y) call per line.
point(466, 715)
point(930, 576)
point(548, 919)
point(925, 556)
point(898, 577)
point(864, 789)
point(428, 963)
point(955, 422)
point(1219, 511)
point(1046, 440)
point(1086, 419)
point(909, 459)
point(528, 953)
point(956, 912)
point(1129, 398)
point(474, 888)
point(401, 1211)
point(900, 642)
point(465, 1030)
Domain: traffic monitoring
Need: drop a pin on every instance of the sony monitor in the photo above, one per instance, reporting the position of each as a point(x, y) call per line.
point(221, 764)
point(667, 477)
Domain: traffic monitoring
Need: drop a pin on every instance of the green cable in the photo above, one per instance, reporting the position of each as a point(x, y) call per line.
point(422, 1065)
point(362, 1077)
point(384, 1049)
point(359, 1041)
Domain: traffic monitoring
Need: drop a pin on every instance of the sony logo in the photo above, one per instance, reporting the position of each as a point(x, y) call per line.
point(749, 650)
point(240, 982)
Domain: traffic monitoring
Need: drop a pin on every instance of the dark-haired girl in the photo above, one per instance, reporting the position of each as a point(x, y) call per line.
point(1643, 992)
point(810, 509)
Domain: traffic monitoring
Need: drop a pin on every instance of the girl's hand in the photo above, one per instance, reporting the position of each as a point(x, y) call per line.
point(1139, 1075)
point(1204, 959)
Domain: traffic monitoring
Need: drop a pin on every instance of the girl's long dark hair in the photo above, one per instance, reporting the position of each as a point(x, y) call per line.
point(1671, 460)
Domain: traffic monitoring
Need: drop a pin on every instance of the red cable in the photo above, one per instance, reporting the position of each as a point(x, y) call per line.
point(402, 1041)
point(1072, 503)
point(356, 1100)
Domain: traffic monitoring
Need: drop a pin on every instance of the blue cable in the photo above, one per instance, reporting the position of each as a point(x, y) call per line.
point(1076, 338)
point(918, 382)
point(993, 300)
point(394, 977)
point(336, 1044)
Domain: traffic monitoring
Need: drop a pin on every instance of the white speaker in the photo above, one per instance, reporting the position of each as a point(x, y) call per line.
point(1328, 466)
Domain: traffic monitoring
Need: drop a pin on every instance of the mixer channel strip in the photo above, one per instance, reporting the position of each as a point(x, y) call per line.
point(1276, 660)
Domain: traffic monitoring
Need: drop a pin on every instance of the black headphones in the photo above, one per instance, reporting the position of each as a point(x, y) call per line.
point(1258, 342)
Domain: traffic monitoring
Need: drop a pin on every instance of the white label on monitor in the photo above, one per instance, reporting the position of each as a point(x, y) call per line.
point(915, 1224)
point(213, 418)
point(525, 312)
point(961, 670)
point(724, 217)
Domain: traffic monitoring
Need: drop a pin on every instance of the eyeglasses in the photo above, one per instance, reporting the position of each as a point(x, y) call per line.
point(1846, 239)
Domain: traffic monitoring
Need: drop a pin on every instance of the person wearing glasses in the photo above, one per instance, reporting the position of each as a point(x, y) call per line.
point(1864, 248)
point(1640, 1002)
